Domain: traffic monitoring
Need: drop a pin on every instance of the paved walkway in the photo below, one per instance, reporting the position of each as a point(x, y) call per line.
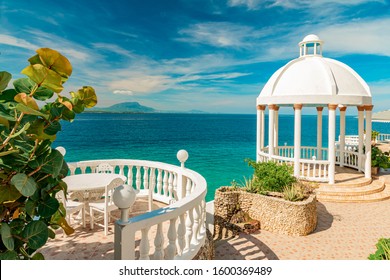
point(344, 231)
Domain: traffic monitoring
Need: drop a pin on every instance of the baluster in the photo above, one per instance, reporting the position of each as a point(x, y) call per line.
point(171, 248)
point(83, 169)
point(72, 169)
point(146, 178)
point(170, 185)
point(121, 170)
point(158, 243)
point(188, 187)
point(159, 181)
point(93, 168)
point(130, 175)
point(138, 178)
point(144, 246)
point(196, 225)
point(165, 184)
point(181, 230)
point(152, 180)
point(308, 169)
point(174, 188)
point(193, 185)
point(189, 224)
point(203, 217)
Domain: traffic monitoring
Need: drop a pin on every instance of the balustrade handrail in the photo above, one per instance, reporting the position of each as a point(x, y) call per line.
point(191, 204)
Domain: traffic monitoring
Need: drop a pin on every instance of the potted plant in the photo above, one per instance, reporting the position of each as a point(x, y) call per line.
point(379, 159)
point(31, 171)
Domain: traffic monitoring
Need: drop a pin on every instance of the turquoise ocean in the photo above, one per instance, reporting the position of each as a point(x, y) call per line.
point(217, 144)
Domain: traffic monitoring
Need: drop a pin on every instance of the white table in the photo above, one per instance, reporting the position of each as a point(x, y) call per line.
point(90, 182)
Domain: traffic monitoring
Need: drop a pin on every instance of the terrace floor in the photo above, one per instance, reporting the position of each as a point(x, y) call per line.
point(344, 231)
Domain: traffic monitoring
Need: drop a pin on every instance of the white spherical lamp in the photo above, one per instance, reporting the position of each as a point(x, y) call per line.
point(124, 197)
point(182, 156)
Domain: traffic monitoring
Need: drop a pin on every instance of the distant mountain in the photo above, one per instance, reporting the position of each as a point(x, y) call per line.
point(127, 107)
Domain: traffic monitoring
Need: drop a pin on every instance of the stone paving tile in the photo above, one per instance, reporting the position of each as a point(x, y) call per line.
point(345, 231)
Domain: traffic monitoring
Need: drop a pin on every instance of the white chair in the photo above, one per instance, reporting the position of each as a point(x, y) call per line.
point(104, 168)
point(72, 207)
point(104, 207)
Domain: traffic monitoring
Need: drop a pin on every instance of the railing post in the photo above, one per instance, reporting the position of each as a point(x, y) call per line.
point(124, 198)
point(182, 156)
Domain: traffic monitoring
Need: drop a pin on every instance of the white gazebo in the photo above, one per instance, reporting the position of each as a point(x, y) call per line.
point(312, 80)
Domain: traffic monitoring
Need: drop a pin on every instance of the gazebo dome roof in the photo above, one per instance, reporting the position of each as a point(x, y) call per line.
point(314, 80)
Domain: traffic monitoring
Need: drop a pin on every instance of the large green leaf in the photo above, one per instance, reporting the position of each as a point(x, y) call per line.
point(44, 77)
point(9, 193)
point(5, 77)
point(56, 61)
point(87, 95)
point(29, 111)
point(36, 131)
point(6, 236)
point(53, 128)
point(38, 256)
point(31, 206)
point(48, 207)
point(6, 112)
point(8, 95)
point(36, 234)
point(26, 85)
point(53, 163)
point(24, 184)
point(8, 255)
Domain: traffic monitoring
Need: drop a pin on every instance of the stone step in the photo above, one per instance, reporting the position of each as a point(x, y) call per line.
point(373, 197)
point(337, 190)
point(350, 182)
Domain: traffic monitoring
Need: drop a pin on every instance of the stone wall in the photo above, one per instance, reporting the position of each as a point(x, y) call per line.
point(207, 251)
point(274, 214)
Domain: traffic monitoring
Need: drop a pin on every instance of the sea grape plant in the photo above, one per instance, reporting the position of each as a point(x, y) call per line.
point(31, 171)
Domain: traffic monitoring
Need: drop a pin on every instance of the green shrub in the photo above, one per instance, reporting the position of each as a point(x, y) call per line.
point(248, 185)
point(379, 158)
point(383, 250)
point(271, 176)
point(31, 171)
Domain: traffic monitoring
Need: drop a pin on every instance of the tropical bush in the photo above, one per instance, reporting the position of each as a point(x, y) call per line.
point(383, 250)
point(31, 171)
point(271, 176)
point(379, 158)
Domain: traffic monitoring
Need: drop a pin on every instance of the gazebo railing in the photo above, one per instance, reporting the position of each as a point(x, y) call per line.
point(179, 229)
point(382, 137)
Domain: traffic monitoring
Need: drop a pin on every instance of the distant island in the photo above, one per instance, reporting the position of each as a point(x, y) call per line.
point(134, 108)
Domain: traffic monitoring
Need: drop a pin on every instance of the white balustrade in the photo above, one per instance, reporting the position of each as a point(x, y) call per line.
point(176, 231)
point(383, 137)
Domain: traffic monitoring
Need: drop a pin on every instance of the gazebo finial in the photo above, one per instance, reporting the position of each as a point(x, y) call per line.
point(310, 45)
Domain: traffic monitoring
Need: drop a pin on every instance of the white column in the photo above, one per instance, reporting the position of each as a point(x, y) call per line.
point(361, 136)
point(297, 138)
point(260, 130)
point(331, 142)
point(319, 132)
point(367, 165)
point(276, 129)
point(342, 135)
point(271, 124)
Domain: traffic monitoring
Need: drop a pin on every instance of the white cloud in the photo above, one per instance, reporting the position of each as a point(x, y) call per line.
point(362, 37)
point(141, 83)
point(218, 34)
point(124, 92)
point(114, 49)
point(295, 4)
point(17, 42)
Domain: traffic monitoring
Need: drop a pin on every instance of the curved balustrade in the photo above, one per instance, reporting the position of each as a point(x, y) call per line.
point(178, 229)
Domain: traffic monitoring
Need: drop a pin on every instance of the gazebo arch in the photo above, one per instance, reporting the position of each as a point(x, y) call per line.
point(312, 80)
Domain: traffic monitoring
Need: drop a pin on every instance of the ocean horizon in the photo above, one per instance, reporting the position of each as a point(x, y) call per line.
point(218, 144)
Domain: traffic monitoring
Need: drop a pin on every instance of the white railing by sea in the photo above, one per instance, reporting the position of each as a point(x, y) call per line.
point(310, 168)
point(182, 189)
point(382, 137)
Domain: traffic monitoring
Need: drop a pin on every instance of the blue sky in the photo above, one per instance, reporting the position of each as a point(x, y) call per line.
point(210, 55)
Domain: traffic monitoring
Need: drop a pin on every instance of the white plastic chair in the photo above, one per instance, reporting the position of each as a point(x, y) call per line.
point(105, 207)
point(72, 207)
point(104, 168)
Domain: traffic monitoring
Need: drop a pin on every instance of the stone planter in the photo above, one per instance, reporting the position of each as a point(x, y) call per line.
point(274, 214)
